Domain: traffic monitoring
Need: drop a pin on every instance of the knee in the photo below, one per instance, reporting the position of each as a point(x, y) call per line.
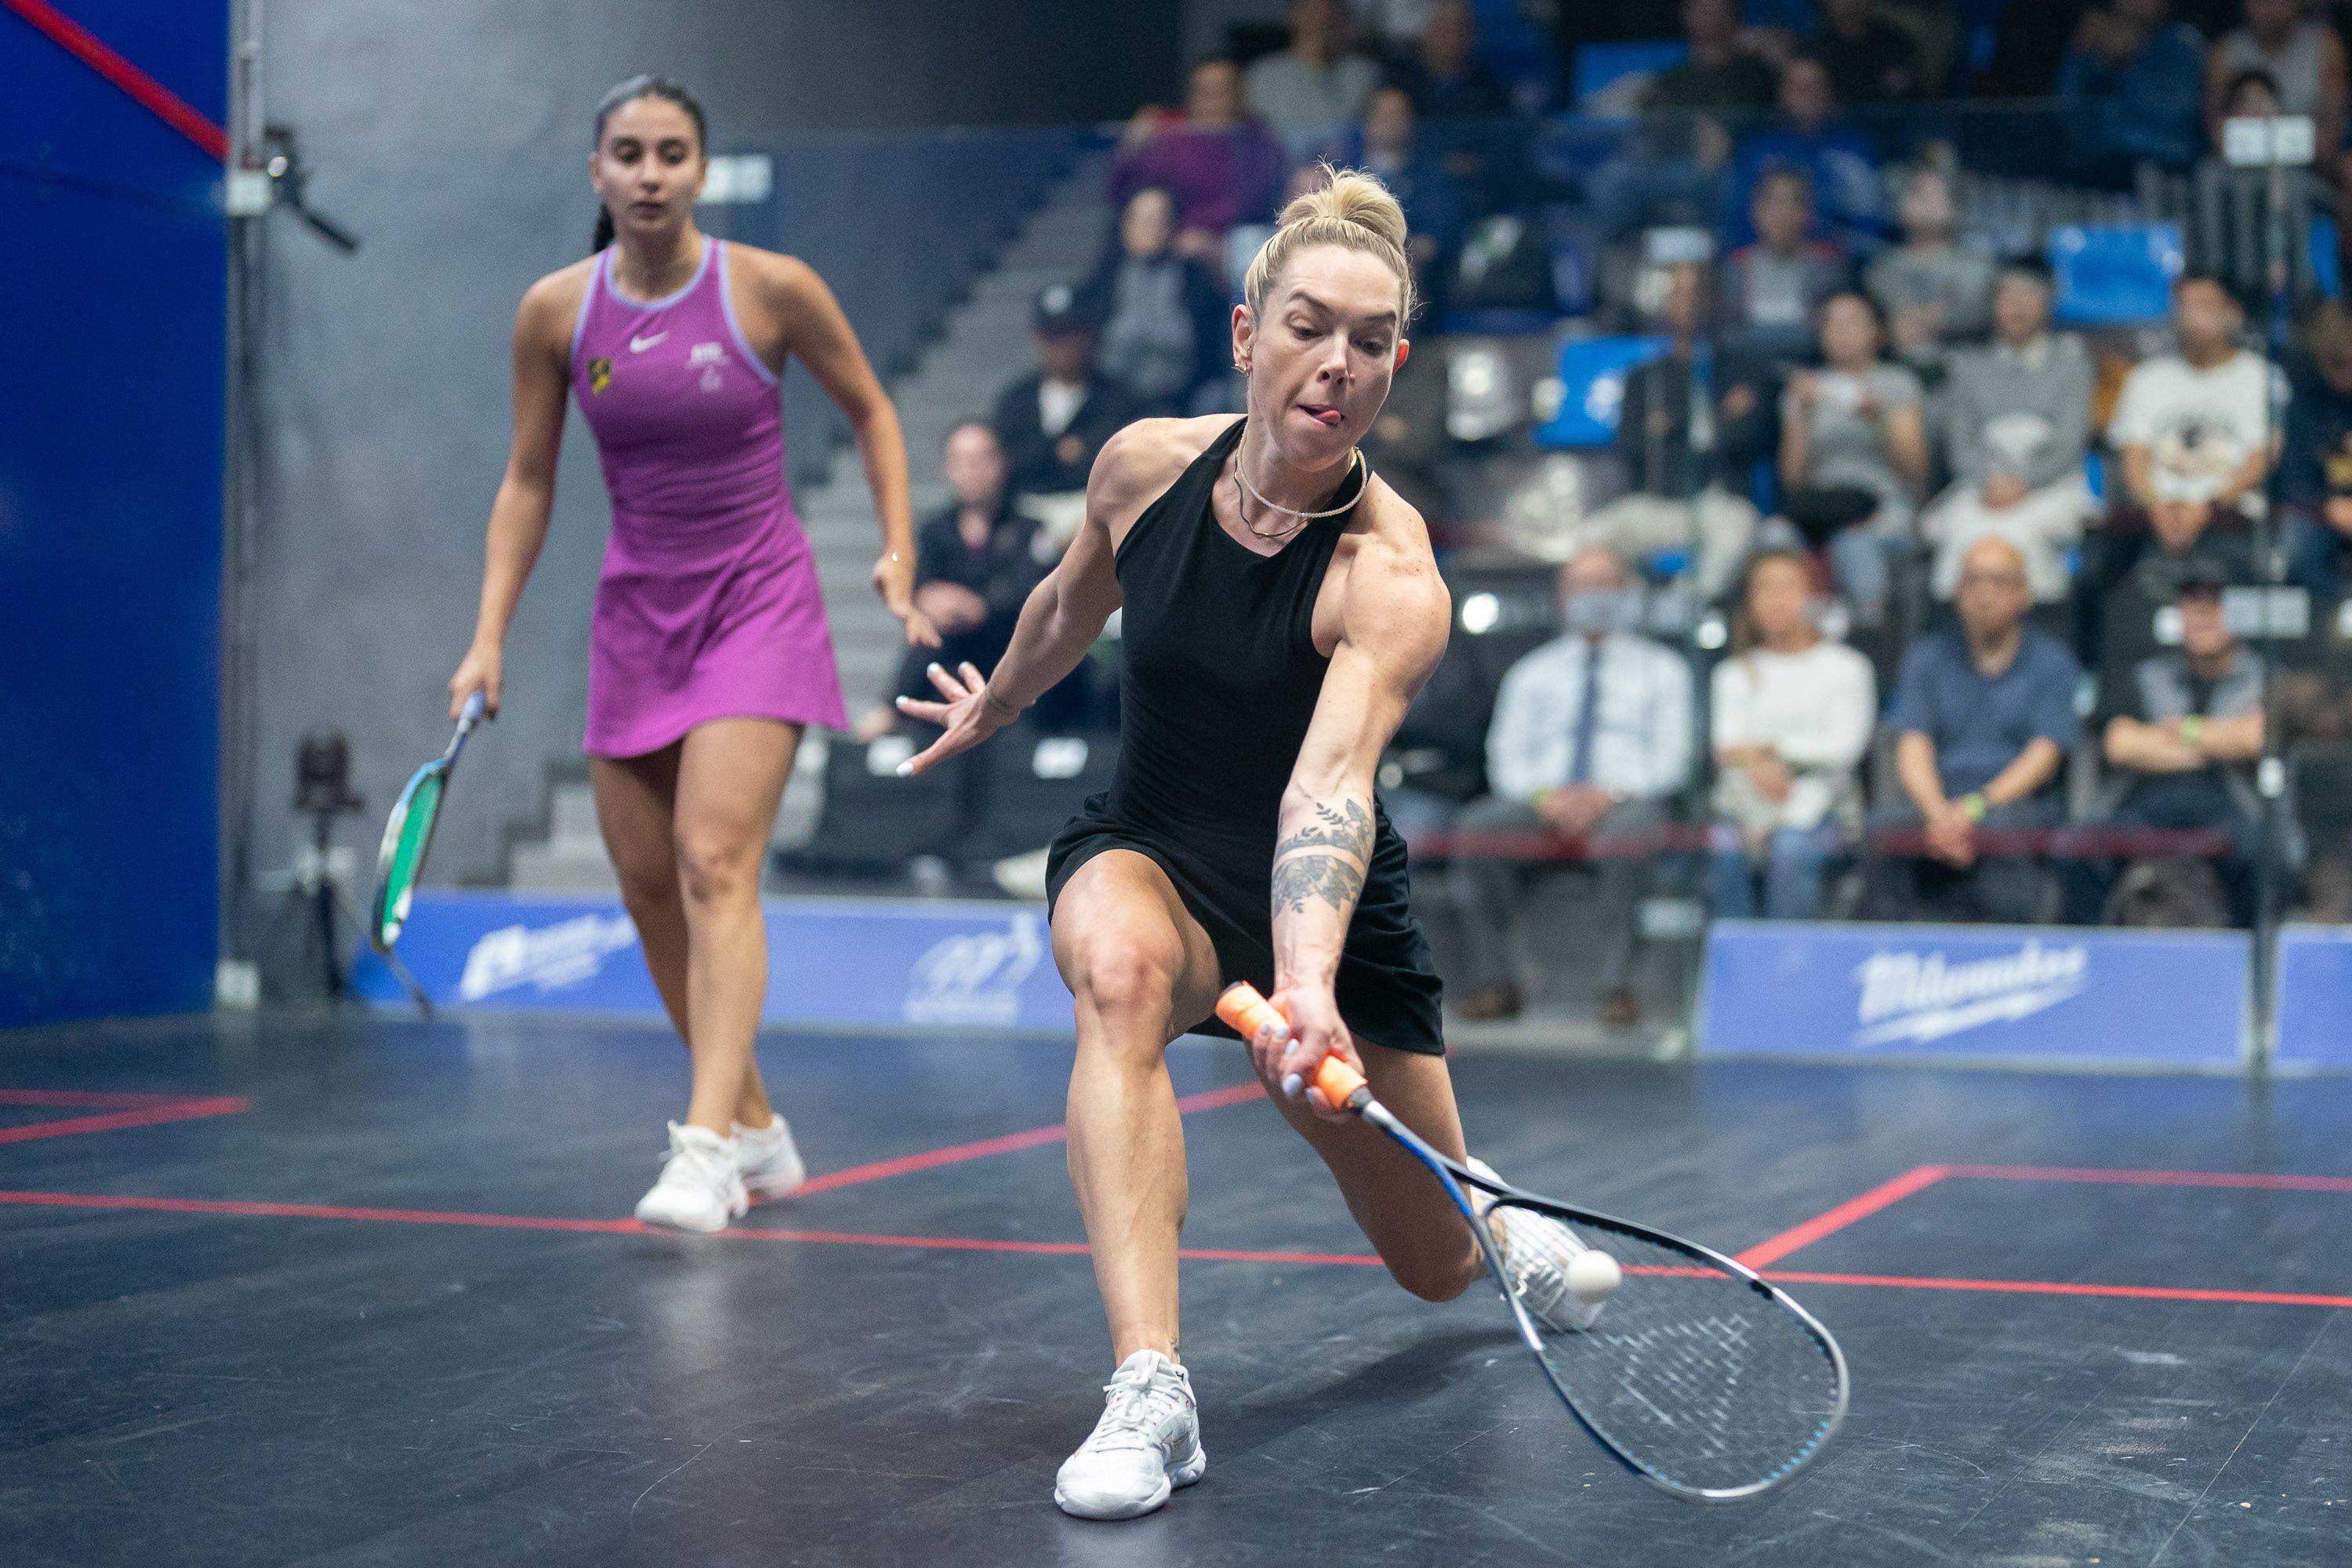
point(1124, 982)
point(1437, 1277)
point(648, 885)
point(713, 870)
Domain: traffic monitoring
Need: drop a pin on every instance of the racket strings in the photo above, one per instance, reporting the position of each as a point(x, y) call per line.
point(1691, 1372)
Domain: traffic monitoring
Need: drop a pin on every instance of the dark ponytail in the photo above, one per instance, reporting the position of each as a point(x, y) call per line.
point(629, 91)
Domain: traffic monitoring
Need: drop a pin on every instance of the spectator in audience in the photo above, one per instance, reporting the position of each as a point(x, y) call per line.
point(1384, 143)
point(1719, 73)
point(2302, 57)
point(1315, 84)
point(1983, 719)
point(1841, 161)
point(1791, 720)
point(1853, 452)
point(1934, 292)
point(1690, 431)
point(1591, 742)
point(2018, 428)
point(2183, 735)
point(1217, 160)
point(975, 562)
point(1772, 287)
point(1053, 421)
point(1869, 59)
point(2317, 476)
point(2136, 78)
point(1165, 315)
point(2193, 429)
point(2236, 213)
point(1444, 75)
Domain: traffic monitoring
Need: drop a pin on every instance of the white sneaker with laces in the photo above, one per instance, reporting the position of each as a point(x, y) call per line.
point(769, 1160)
point(1536, 1249)
point(1147, 1443)
point(699, 1189)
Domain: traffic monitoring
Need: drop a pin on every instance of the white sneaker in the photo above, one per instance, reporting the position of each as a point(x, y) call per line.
point(700, 1189)
point(769, 1160)
point(1536, 1253)
point(1147, 1443)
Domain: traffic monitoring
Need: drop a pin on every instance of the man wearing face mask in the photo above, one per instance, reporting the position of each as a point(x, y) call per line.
point(1590, 740)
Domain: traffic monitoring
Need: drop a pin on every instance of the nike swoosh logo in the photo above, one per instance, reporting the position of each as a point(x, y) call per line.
point(639, 345)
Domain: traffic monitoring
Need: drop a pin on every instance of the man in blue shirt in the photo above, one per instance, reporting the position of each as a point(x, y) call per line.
point(2137, 82)
point(1984, 716)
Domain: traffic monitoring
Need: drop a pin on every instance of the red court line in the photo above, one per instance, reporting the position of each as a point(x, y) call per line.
point(2153, 1178)
point(1880, 1196)
point(246, 1209)
point(88, 1099)
point(2064, 1287)
point(180, 1109)
point(236, 1208)
point(144, 89)
point(878, 1170)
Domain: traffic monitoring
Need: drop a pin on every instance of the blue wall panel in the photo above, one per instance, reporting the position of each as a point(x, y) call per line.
point(110, 440)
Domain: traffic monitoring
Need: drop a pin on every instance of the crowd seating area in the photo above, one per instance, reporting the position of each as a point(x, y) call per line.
point(1886, 460)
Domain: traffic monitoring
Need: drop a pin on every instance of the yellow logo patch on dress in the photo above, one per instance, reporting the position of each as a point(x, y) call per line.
point(600, 375)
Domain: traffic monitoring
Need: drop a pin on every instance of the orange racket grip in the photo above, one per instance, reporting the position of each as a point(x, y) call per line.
point(1247, 1011)
point(1340, 1083)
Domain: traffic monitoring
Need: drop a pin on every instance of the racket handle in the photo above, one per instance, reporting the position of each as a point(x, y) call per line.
point(477, 702)
point(1342, 1085)
point(1247, 1011)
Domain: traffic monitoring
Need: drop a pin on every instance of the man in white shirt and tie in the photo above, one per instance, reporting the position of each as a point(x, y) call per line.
point(1591, 742)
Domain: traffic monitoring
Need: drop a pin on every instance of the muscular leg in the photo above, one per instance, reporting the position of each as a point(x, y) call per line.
point(731, 777)
point(1401, 1209)
point(1141, 969)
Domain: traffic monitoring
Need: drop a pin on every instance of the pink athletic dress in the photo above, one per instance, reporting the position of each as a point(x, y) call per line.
point(708, 606)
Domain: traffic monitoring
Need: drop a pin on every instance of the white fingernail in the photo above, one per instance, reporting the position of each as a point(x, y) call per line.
point(937, 667)
point(907, 768)
point(1290, 1085)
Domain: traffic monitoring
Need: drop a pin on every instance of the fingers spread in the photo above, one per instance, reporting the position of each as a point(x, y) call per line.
point(931, 712)
point(949, 687)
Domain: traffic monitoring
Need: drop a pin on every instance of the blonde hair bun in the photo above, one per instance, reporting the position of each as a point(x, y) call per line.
point(1352, 210)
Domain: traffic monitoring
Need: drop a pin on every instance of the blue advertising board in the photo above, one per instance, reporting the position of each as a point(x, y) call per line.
point(2315, 996)
point(832, 962)
point(1796, 988)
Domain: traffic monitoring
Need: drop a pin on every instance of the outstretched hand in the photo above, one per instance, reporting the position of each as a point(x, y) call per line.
point(966, 717)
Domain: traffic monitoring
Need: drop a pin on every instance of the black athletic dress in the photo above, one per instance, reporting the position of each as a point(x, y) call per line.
point(1218, 684)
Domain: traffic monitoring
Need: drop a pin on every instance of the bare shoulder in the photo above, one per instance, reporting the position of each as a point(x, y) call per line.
point(783, 280)
point(1391, 568)
point(551, 305)
point(1138, 464)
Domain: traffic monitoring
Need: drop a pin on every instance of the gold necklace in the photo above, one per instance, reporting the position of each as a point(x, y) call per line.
point(1355, 461)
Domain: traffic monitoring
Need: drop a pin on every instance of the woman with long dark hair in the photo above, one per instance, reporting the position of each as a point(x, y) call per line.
point(709, 650)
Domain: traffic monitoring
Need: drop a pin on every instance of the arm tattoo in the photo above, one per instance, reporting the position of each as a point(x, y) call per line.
point(1347, 828)
point(1309, 877)
point(1324, 859)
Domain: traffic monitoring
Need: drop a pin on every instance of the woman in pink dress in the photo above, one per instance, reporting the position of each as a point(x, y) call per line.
point(709, 651)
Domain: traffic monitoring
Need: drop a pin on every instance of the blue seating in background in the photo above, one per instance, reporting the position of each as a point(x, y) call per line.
point(1592, 373)
point(2114, 274)
point(2326, 269)
point(1516, 50)
point(1494, 321)
point(1599, 65)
